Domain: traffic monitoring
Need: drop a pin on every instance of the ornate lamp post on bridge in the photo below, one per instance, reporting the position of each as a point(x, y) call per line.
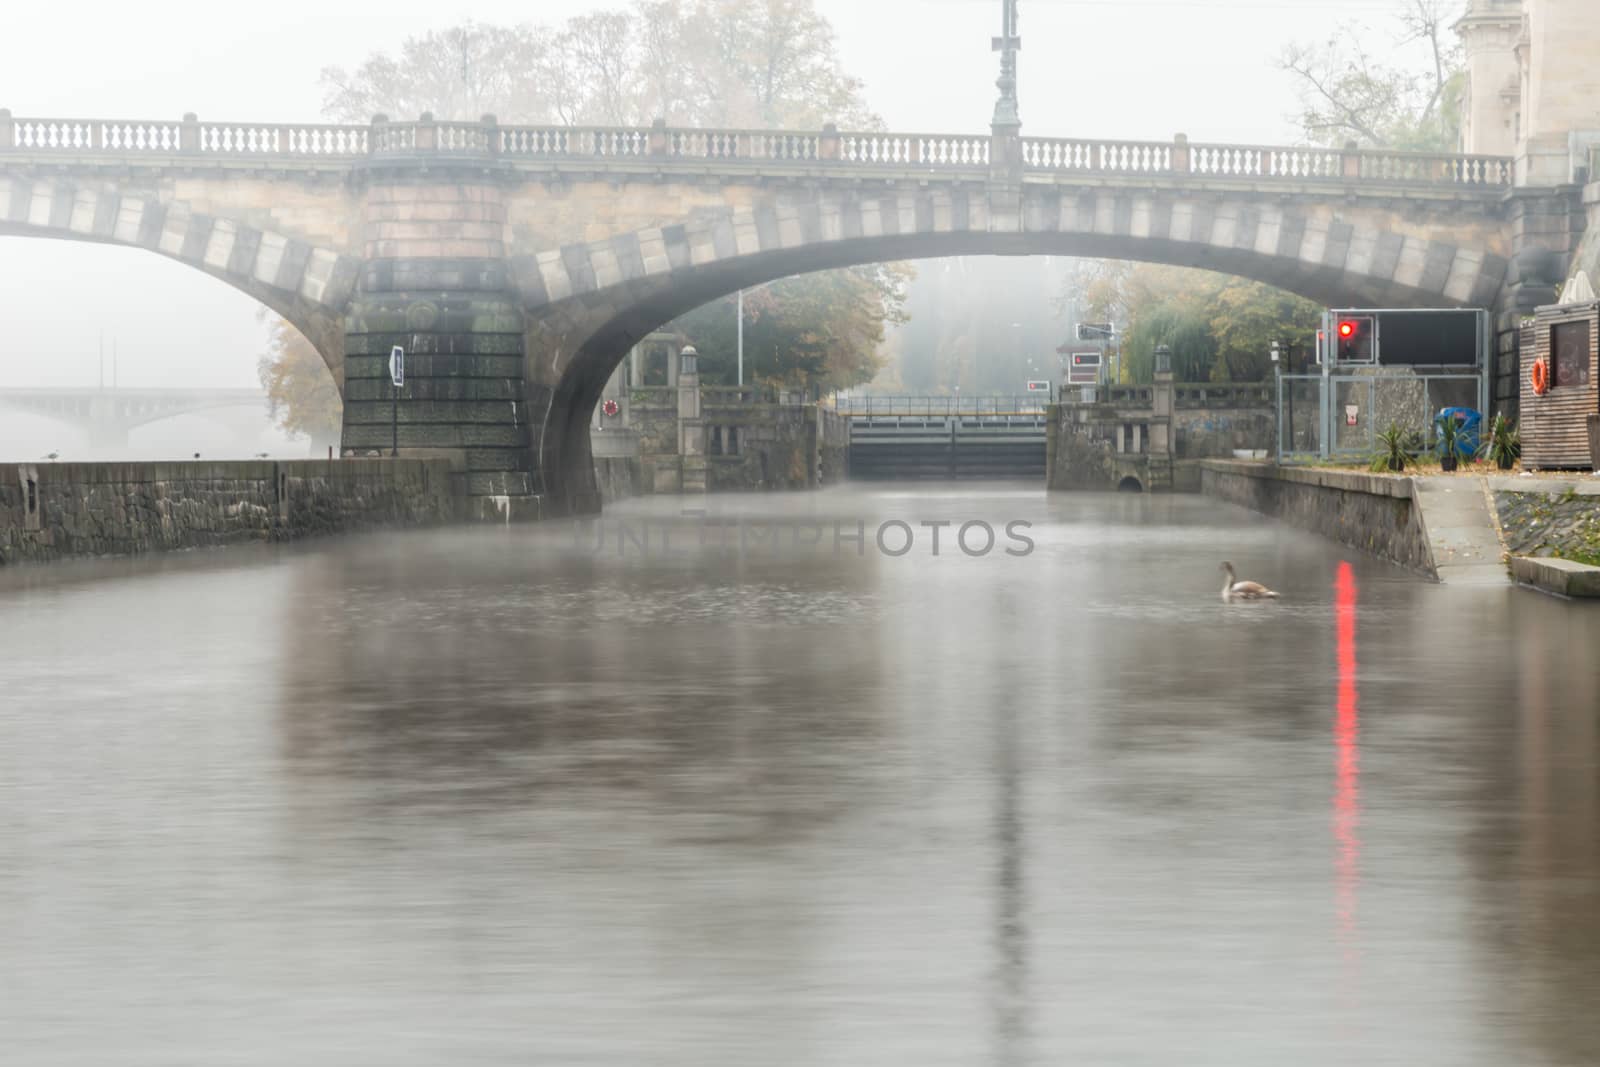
point(1005, 131)
point(1007, 121)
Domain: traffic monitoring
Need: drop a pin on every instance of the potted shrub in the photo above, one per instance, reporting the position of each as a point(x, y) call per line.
point(1503, 446)
point(1391, 450)
point(1452, 444)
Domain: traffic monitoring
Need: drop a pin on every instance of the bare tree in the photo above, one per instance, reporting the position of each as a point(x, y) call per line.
point(600, 54)
point(1348, 95)
point(756, 63)
point(460, 73)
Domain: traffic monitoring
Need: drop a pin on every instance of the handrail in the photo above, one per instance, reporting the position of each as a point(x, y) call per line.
point(941, 407)
point(660, 143)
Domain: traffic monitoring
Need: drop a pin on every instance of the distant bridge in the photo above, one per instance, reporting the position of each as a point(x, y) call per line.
point(109, 415)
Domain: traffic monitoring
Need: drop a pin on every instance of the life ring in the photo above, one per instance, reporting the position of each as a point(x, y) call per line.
point(611, 407)
point(1541, 377)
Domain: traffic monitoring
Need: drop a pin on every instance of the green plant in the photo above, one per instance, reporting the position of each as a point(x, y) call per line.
point(1452, 442)
point(1503, 446)
point(1391, 453)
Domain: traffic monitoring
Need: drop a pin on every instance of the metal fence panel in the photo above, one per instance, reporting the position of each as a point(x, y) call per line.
point(1299, 418)
point(1352, 416)
point(1338, 416)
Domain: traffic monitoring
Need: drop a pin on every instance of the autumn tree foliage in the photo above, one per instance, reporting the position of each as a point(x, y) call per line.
point(301, 394)
point(1220, 328)
point(820, 329)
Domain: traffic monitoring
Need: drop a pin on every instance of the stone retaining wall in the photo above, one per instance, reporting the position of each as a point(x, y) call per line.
point(52, 511)
point(1559, 522)
point(1217, 432)
point(833, 447)
point(1369, 512)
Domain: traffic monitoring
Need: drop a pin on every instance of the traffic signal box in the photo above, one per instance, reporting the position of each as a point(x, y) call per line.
point(1354, 339)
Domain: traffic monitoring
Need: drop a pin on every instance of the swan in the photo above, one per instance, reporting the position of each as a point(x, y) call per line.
point(1234, 589)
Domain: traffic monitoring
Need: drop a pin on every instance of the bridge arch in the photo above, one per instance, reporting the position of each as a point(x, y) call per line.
point(308, 284)
point(589, 304)
point(257, 405)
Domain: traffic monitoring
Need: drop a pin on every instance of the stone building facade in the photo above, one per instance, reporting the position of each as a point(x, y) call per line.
point(1533, 87)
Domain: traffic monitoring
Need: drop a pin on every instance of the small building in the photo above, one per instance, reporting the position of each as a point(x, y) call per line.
point(1559, 425)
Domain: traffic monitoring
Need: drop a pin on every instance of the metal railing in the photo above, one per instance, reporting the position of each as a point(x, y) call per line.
point(659, 143)
point(1223, 395)
point(941, 407)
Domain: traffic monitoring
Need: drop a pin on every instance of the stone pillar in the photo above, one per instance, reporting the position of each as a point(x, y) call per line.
point(692, 448)
point(1164, 442)
point(1162, 399)
point(8, 129)
point(1350, 162)
point(436, 282)
point(1182, 163)
point(189, 133)
point(828, 146)
point(1492, 101)
point(636, 358)
point(1561, 98)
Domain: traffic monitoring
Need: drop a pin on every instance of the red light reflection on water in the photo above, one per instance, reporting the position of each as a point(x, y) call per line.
point(1347, 762)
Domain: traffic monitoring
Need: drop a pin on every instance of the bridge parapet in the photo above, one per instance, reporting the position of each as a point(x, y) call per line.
point(90, 140)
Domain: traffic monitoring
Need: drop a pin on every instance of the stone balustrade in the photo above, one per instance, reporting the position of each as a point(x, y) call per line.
point(486, 139)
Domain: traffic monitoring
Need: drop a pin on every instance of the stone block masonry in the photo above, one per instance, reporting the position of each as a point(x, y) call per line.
point(1372, 513)
point(54, 511)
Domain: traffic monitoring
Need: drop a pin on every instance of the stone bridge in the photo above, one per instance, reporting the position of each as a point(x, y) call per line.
point(518, 265)
point(109, 415)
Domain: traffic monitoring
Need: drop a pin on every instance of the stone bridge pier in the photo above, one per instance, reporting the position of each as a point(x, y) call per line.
point(436, 281)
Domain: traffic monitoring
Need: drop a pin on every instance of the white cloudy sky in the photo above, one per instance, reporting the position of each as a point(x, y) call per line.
point(1135, 69)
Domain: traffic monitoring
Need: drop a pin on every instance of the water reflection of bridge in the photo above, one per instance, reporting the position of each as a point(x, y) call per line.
point(108, 416)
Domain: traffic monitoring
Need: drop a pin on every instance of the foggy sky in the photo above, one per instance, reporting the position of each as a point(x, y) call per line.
point(1131, 69)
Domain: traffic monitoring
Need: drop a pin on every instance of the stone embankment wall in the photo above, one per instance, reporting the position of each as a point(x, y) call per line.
point(1368, 512)
point(833, 447)
point(619, 478)
point(1205, 421)
point(52, 511)
point(747, 448)
point(780, 448)
point(1217, 433)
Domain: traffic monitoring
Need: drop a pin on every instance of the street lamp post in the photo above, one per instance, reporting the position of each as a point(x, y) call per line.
point(741, 338)
point(1277, 374)
point(1006, 117)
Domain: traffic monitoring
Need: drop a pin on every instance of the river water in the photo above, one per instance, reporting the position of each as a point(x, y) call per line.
point(496, 796)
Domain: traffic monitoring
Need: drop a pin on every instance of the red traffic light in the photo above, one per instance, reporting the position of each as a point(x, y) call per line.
point(1347, 329)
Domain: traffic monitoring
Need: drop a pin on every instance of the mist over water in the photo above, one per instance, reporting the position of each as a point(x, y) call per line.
point(485, 796)
point(234, 434)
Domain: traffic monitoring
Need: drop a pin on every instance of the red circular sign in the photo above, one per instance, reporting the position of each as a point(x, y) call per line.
point(611, 407)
